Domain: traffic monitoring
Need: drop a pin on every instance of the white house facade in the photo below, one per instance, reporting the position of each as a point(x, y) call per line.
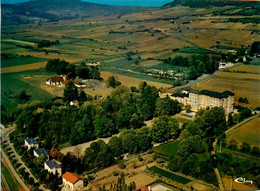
point(53, 167)
point(72, 181)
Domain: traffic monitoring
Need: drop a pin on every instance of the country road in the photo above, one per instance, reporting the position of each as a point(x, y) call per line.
point(4, 136)
point(5, 158)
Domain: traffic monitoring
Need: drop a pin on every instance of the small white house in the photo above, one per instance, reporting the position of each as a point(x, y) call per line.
point(72, 181)
point(40, 152)
point(53, 167)
point(223, 65)
point(31, 142)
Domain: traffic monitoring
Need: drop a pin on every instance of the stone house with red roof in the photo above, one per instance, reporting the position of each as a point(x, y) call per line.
point(72, 182)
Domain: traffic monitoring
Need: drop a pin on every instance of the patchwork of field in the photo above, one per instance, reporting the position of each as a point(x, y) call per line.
point(242, 84)
point(248, 132)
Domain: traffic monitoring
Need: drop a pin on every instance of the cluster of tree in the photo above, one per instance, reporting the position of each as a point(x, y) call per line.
point(244, 113)
point(195, 143)
point(82, 71)
point(177, 61)
point(112, 82)
point(243, 100)
point(119, 185)
point(47, 43)
point(57, 124)
point(198, 64)
point(238, 167)
point(255, 48)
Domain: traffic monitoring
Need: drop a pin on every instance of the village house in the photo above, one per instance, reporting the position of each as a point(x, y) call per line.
point(72, 181)
point(40, 152)
point(55, 81)
point(53, 167)
point(205, 98)
point(223, 65)
point(31, 142)
point(166, 92)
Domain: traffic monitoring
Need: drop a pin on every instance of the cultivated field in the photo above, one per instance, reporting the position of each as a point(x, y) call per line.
point(246, 68)
point(248, 132)
point(242, 84)
point(129, 81)
point(21, 68)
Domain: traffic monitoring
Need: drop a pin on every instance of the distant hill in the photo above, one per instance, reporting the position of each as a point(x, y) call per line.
point(206, 3)
point(54, 10)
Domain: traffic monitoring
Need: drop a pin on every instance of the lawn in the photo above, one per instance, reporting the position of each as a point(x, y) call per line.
point(10, 179)
point(18, 61)
point(169, 175)
point(168, 149)
point(14, 83)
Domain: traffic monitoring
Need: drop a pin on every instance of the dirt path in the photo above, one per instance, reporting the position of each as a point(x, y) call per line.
point(83, 146)
point(23, 67)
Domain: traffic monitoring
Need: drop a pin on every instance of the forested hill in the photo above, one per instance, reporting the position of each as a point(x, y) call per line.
point(54, 10)
point(206, 3)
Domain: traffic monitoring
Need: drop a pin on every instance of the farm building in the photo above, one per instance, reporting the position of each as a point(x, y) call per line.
point(53, 167)
point(72, 181)
point(166, 92)
point(205, 98)
point(223, 65)
point(40, 152)
point(55, 81)
point(31, 142)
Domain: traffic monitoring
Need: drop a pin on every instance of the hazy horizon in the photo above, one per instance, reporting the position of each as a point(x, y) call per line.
point(154, 3)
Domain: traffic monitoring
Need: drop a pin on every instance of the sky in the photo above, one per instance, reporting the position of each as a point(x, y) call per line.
point(154, 3)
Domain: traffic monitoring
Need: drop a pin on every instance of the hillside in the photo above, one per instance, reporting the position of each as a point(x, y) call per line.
point(54, 10)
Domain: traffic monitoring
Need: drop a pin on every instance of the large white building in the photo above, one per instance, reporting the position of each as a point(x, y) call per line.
point(205, 98)
point(72, 181)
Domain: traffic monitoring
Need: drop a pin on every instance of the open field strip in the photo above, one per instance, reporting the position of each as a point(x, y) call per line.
point(169, 175)
point(129, 81)
point(23, 67)
point(242, 84)
point(249, 132)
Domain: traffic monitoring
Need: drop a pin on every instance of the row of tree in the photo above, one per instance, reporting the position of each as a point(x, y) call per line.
point(82, 71)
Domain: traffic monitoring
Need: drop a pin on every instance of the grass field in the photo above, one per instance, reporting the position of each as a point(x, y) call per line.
point(10, 179)
point(169, 175)
point(242, 84)
point(168, 149)
point(11, 62)
point(14, 83)
point(248, 132)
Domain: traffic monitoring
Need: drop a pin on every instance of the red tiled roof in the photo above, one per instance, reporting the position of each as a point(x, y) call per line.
point(167, 90)
point(70, 177)
point(56, 79)
point(142, 188)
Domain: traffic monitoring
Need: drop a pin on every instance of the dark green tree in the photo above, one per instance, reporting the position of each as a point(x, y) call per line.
point(70, 92)
point(167, 106)
point(164, 128)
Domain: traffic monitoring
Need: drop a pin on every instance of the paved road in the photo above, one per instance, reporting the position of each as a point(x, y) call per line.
point(5, 134)
point(5, 158)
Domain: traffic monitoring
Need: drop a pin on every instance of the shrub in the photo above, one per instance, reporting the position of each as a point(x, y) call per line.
point(121, 165)
point(140, 158)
